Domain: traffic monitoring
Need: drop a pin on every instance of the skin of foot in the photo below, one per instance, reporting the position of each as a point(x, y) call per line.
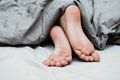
point(61, 56)
point(82, 46)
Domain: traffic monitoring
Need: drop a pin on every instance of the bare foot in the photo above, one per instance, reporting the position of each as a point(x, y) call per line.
point(85, 49)
point(82, 46)
point(61, 56)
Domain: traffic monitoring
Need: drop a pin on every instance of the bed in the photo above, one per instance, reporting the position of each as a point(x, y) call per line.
point(27, 22)
point(25, 63)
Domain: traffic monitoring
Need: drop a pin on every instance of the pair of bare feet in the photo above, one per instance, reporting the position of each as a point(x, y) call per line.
point(70, 35)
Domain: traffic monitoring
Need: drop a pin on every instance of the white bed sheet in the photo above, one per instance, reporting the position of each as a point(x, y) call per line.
point(25, 63)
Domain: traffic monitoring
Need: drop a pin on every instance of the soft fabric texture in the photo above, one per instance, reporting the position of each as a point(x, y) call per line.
point(29, 21)
point(25, 63)
point(101, 21)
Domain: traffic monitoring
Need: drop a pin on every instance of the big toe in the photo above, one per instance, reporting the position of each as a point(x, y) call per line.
point(78, 52)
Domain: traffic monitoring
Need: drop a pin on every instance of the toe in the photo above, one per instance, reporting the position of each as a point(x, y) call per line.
point(68, 59)
point(52, 63)
point(87, 58)
point(57, 64)
point(91, 58)
point(78, 52)
point(96, 57)
point(63, 62)
point(82, 56)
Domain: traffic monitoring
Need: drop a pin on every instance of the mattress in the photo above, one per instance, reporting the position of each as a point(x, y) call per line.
point(25, 63)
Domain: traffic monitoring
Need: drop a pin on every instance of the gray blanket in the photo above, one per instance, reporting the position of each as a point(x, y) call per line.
point(101, 21)
point(29, 21)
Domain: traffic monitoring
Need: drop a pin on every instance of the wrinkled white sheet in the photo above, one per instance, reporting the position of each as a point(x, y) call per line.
point(25, 63)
